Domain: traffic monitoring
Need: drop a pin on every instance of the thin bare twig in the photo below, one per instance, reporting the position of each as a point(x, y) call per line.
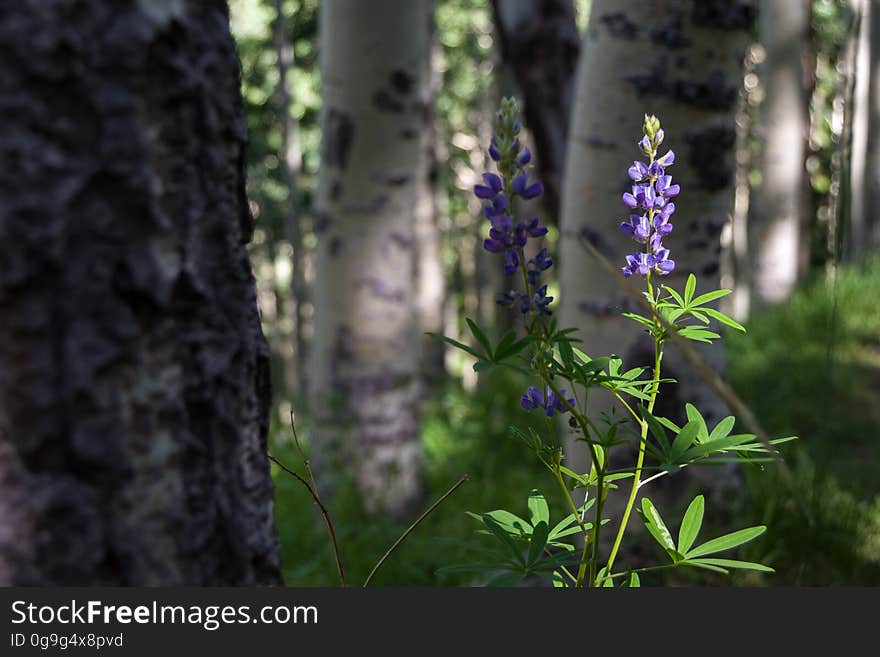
point(409, 529)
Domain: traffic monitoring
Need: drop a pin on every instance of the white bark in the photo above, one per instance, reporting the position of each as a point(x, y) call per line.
point(365, 344)
point(681, 61)
point(776, 225)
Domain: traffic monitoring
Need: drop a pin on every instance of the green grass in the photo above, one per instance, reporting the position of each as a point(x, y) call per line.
point(811, 368)
point(462, 434)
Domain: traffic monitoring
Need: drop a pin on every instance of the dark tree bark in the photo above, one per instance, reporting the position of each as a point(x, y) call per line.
point(541, 44)
point(133, 371)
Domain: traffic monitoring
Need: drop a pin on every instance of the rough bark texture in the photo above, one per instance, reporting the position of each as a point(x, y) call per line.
point(541, 43)
point(776, 224)
point(680, 60)
point(133, 371)
point(365, 348)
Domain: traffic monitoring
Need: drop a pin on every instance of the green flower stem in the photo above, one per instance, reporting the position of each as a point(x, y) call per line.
point(658, 357)
point(584, 424)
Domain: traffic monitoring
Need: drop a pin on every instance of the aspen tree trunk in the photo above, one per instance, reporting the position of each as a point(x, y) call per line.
point(134, 383)
point(683, 62)
point(857, 61)
point(364, 378)
point(430, 277)
point(291, 166)
point(776, 222)
point(868, 241)
point(540, 43)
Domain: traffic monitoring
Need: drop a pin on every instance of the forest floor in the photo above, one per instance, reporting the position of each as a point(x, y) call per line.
point(811, 368)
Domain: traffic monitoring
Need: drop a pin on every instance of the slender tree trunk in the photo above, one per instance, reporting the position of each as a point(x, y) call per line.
point(870, 238)
point(540, 43)
point(776, 226)
point(133, 371)
point(858, 57)
point(431, 279)
point(366, 337)
point(683, 62)
point(291, 166)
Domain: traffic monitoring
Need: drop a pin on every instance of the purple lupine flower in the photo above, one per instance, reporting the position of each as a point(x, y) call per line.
point(521, 187)
point(541, 300)
point(638, 226)
point(651, 194)
point(507, 236)
point(662, 264)
point(547, 401)
point(638, 171)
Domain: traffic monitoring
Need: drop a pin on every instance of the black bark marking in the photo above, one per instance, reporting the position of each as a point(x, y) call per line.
point(336, 190)
point(620, 26)
point(715, 92)
point(385, 102)
point(397, 180)
point(671, 35)
point(335, 246)
point(381, 289)
point(595, 141)
point(402, 81)
point(409, 133)
point(337, 139)
point(723, 14)
point(709, 155)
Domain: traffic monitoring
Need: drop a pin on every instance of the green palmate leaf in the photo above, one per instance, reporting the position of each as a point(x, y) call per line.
point(704, 566)
point(510, 522)
point(720, 445)
point(505, 579)
point(724, 319)
point(504, 536)
point(657, 430)
point(656, 527)
point(566, 353)
point(558, 580)
point(564, 525)
point(698, 334)
point(640, 319)
point(723, 428)
point(633, 581)
point(675, 295)
point(686, 437)
point(506, 351)
point(480, 336)
point(733, 563)
point(457, 345)
point(483, 365)
point(536, 545)
point(694, 415)
point(707, 297)
point(538, 510)
point(689, 288)
point(727, 541)
point(690, 525)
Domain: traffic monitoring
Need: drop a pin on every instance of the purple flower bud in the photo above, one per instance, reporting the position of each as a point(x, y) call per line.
point(667, 160)
point(482, 191)
point(493, 245)
point(629, 200)
point(511, 262)
point(494, 153)
point(532, 399)
point(524, 157)
point(521, 187)
point(534, 229)
point(494, 181)
point(542, 261)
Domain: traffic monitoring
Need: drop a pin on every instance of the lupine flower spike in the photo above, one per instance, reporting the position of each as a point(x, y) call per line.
point(651, 205)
